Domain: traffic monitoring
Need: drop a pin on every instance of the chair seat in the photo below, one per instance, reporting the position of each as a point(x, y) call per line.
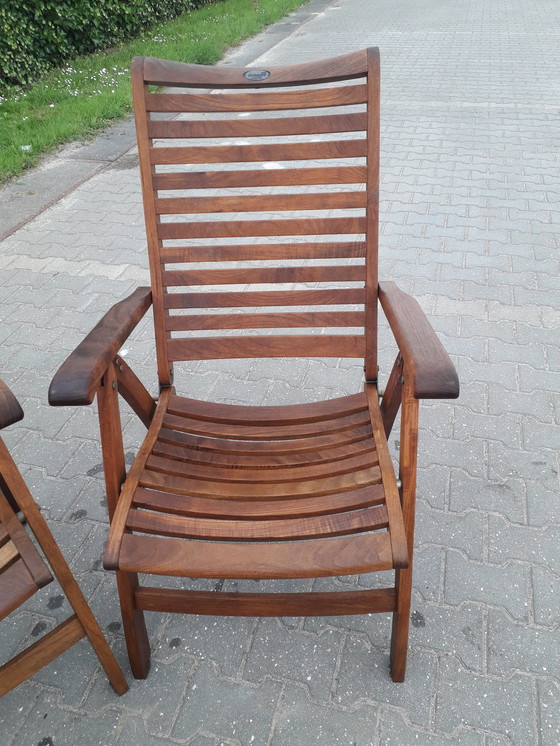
point(267, 492)
point(22, 569)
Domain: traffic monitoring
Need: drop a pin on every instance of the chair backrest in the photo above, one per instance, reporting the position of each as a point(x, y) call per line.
point(274, 174)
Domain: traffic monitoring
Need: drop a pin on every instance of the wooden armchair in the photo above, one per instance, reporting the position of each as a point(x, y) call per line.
point(277, 169)
point(23, 572)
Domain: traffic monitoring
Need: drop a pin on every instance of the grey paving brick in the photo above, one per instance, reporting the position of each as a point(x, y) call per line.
point(539, 435)
point(504, 586)
point(47, 723)
point(506, 497)
point(394, 731)
point(503, 373)
point(16, 707)
point(549, 710)
point(302, 720)
point(455, 530)
point(528, 544)
point(504, 463)
point(505, 428)
point(233, 710)
point(496, 706)
point(298, 656)
point(537, 404)
point(542, 505)
point(514, 648)
point(546, 595)
point(222, 640)
point(363, 677)
point(452, 631)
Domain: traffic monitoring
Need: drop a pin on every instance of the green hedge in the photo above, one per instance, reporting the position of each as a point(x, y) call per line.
point(38, 34)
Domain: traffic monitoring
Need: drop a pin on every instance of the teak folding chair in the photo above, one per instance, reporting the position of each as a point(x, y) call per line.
point(275, 169)
point(23, 572)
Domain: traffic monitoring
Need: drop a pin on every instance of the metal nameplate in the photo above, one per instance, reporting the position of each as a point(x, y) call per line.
point(256, 75)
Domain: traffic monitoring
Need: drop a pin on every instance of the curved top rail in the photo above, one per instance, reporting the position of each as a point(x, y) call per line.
point(155, 71)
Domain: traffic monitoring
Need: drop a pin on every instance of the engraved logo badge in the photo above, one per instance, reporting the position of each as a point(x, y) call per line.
point(256, 75)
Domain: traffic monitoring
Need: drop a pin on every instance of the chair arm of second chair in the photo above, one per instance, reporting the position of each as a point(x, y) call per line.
point(77, 380)
point(10, 410)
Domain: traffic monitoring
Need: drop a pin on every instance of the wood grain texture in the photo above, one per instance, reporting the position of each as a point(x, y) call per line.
point(374, 601)
point(77, 379)
point(433, 374)
point(289, 176)
point(10, 410)
point(258, 251)
point(23, 577)
point(158, 72)
point(268, 101)
point(320, 345)
point(323, 558)
point(221, 491)
point(335, 123)
point(38, 655)
point(276, 227)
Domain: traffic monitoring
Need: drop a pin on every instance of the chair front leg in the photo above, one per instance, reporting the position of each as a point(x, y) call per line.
point(408, 457)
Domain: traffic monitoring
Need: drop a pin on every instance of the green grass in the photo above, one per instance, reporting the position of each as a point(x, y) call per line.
point(75, 101)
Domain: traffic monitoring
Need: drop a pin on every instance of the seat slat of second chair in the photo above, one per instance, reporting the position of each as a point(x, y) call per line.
point(16, 585)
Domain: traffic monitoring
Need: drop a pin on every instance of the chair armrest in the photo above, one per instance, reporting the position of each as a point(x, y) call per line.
point(10, 410)
point(78, 377)
point(434, 375)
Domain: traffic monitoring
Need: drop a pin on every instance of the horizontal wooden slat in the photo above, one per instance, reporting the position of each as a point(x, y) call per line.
point(42, 652)
point(266, 203)
point(275, 417)
point(259, 275)
point(260, 178)
point(229, 348)
point(268, 101)
point(265, 320)
point(274, 491)
point(278, 463)
point(262, 476)
point(272, 251)
point(246, 228)
point(268, 298)
point(262, 427)
point(265, 604)
point(219, 444)
point(178, 129)
point(301, 507)
point(254, 153)
point(339, 524)
point(323, 558)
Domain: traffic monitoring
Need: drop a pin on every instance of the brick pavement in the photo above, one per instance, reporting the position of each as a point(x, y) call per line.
point(470, 193)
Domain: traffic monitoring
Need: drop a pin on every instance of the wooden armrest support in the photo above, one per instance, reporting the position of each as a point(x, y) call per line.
point(78, 377)
point(10, 410)
point(434, 375)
